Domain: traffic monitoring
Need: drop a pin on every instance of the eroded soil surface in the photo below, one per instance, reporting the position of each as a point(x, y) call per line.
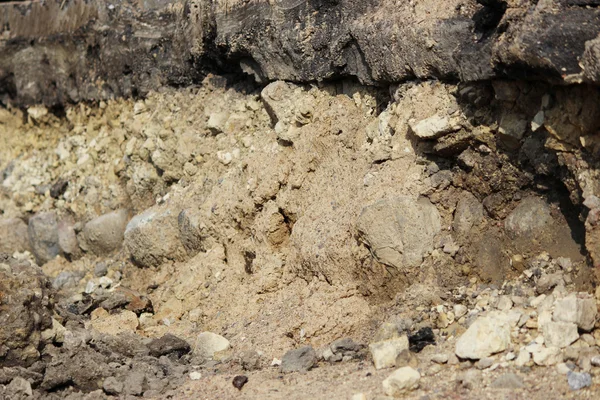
point(168, 247)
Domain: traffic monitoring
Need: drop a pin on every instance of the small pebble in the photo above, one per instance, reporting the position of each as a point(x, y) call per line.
point(239, 381)
point(439, 358)
point(195, 375)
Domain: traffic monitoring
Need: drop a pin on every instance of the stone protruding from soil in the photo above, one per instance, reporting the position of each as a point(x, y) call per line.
point(103, 235)
point(168, 344)
point(469, 213)
point(384, 353)
point(208, 344)
point(400, 230)
point(153, 238)
point(531, 216)
point(43, 236)
point(578, 309)
point(299, 360)
point(433, 127)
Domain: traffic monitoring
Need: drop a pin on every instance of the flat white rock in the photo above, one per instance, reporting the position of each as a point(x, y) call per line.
point(486, 336)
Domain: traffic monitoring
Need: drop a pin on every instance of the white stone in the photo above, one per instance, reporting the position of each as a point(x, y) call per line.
point(195, 375)
point(105, 282)
point(208, 343)
point(486, 336)
point(216, 122)
point(359, 396)
point(459, 310)
point(547, 356)
point(91, 287)
point(544, 318)
point(432, 127)
point(225, 157)
point(37, 112)
point(560, 334)
point(384, 353)
point(562, 368)
point(537, 300)
point(400, 381)
point(534, 347)
point(581, 311)
point(523, 358)
point(504, 303)
point(439, 358)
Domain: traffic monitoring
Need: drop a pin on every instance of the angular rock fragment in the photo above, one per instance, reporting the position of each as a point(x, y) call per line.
point(384, 353)
point(581, 310)
point(469, 213)
point(299, 360)
point(43, 236)
point(433, 127)
point(168, 344)
point(579, 380)
point(208, 344)
point(559, 334)
point(486, 336)
point(401, 381)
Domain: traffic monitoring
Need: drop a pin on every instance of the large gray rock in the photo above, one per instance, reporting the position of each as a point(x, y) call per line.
point(105, 234)
point(469, 212)
point(13, 235)
point(400, 230)
point(299, 360)
point(43, 236)
point(530, 217)
point(153, 237)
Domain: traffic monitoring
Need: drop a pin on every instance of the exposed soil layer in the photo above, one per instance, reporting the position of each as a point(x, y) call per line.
point(291, 199)
point(271, 218)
